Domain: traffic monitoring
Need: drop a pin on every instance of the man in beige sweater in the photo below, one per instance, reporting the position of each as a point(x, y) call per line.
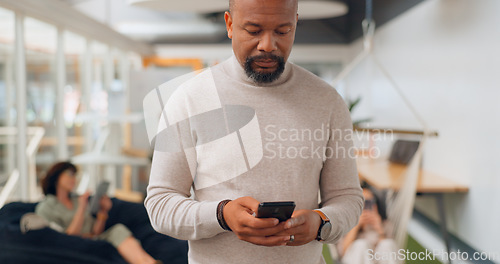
point(254, 128)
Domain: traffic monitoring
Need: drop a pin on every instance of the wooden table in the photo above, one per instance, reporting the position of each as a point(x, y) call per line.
point(385, 175)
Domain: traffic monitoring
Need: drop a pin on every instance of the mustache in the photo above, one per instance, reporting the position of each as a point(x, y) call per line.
point(265, 57)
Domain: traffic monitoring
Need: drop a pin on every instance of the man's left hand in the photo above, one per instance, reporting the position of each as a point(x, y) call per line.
point(303, 225)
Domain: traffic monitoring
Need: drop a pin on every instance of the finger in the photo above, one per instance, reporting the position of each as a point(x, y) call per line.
point(299, 239)
point(296, 243)
point(242, 221)
point(254, 222)
point(249, 220)
point(267, 241)
point(296, 231)
point(272, 231)
point(295, 221)
point(250, 203)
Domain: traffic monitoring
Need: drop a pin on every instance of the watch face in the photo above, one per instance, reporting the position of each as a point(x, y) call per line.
point(325, 230)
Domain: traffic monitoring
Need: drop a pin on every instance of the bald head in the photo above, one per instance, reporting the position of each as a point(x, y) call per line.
point(232, 4)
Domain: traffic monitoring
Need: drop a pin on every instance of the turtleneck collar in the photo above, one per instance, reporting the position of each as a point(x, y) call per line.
point(234, 69)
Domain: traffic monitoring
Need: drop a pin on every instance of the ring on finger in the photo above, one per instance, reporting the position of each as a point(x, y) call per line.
point(292, 238)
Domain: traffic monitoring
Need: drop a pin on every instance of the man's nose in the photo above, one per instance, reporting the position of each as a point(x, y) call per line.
point(267, 43)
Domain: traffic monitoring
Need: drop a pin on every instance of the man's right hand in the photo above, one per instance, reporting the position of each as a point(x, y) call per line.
point(238, 215)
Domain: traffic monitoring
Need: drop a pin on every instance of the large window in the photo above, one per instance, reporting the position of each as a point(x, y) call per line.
point(7, 92)
point(74, 50)
point(41, 45)
point(57, 76)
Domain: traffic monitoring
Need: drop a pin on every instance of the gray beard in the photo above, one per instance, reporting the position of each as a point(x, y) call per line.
point(267, 77)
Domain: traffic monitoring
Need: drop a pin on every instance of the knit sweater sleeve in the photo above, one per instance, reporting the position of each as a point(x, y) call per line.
point(171, 209)
point(341, 196)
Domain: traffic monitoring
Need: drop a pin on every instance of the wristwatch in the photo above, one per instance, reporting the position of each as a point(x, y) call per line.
point(325, 228)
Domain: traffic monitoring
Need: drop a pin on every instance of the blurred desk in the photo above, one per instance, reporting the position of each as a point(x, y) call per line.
point(385, 175)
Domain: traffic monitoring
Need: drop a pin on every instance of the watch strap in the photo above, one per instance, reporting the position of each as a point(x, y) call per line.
point(324, 220)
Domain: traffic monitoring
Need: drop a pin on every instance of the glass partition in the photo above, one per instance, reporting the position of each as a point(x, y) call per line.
point(85, 78)
point(74, 51)
point(41, 44)
point(98, 103)
point(7, 94)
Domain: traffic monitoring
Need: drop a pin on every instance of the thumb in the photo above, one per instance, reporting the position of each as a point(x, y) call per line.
point(295, 221)
point(249, 202)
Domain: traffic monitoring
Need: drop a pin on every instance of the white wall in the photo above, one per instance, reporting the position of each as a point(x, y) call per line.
point(446, 56)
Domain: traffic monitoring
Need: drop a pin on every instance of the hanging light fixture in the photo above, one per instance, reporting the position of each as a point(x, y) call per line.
point(318, 9)
point(308, 9)
point(195, 6)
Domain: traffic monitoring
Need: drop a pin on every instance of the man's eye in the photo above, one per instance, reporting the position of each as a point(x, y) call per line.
point(282, 32)
point(253, 33)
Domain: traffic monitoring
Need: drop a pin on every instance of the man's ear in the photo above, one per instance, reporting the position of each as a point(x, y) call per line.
point(229, 24)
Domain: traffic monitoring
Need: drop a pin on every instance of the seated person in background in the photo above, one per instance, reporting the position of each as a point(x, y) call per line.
point(360, 244)
point(69, 211)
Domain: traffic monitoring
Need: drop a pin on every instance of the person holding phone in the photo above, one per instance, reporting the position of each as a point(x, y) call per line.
point(369, 234)
point(69, 213)
point(254, 128)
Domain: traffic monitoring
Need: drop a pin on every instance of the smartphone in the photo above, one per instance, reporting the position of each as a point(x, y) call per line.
point(369, 204)
point(102, 189)
point(280, 210)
